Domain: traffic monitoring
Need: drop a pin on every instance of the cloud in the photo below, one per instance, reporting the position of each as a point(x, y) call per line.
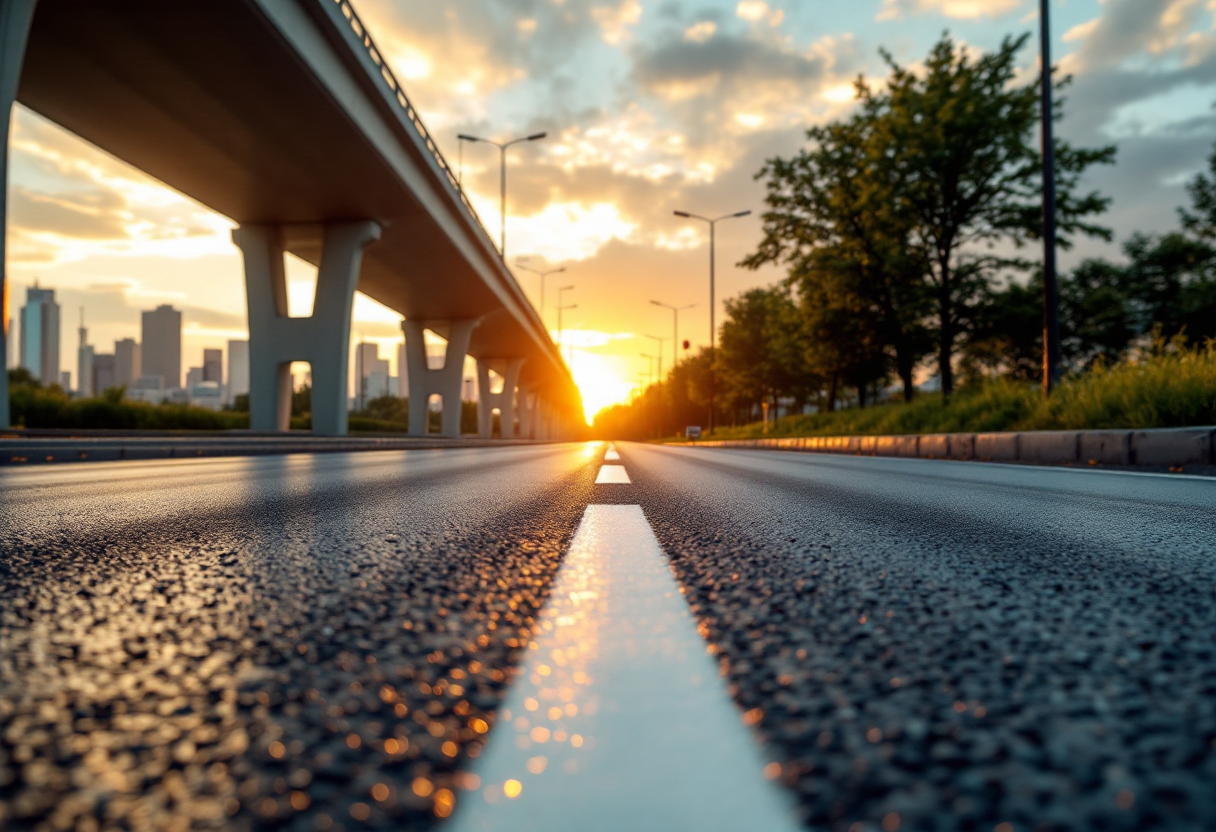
point(958, 9)
point(758, 11)
point(89, 214)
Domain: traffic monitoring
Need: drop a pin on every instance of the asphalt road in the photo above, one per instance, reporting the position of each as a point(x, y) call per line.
point(321, 642)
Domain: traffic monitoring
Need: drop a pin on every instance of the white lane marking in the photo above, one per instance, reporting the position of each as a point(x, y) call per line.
point(612, 474)
point(612, 456)
point(619, 720)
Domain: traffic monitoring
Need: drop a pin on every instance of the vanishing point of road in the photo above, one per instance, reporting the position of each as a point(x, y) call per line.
point(536, 637)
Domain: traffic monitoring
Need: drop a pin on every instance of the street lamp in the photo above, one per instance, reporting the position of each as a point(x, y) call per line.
point(713, 332)
point(502, 173)
point(675, 328)
point(542, 275)
point(660, 341)
point(1051, 293)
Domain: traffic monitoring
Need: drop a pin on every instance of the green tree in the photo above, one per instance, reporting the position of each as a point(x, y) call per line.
point(830, 219)
point(958, 140)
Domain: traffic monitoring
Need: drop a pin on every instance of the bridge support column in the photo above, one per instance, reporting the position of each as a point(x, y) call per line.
point(323, 340)
point(523, 407)
point(504, 401)
point(446, 382)
point(15, 19)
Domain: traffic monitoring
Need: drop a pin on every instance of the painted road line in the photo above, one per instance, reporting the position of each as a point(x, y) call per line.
point(610, 474)
point(618, 719)
point(612, 456)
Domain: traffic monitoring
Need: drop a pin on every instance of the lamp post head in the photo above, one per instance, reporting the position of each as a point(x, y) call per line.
point(565, 288)
point(465, 137)
point(684, 214)
point(536, 136)
point(741, 213)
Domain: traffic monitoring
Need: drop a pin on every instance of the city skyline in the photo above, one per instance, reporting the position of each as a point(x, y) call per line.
point(685, 102)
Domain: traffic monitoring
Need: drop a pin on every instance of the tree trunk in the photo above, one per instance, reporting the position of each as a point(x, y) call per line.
point(832, 392)
point(945, 353)
point(861, 395)
point(904, 366)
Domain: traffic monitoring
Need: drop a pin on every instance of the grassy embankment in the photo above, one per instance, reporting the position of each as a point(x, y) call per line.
point(1165, 390)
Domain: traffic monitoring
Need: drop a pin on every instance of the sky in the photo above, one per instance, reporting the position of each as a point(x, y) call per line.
point(651, 106)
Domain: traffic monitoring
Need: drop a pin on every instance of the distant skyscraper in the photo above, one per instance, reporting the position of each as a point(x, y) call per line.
point(213, 366)
point(40, 335)
point(127, 365)
point(162, 345)
point(403, 375)
point(104, 376)
point(238, 369)
point(194, 377)
point(65, 380)
point(84, 361)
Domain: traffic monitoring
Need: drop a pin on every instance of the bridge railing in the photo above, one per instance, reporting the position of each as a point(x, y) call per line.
point(360, 30)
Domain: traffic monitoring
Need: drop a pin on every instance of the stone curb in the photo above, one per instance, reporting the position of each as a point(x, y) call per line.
point(1172, 448)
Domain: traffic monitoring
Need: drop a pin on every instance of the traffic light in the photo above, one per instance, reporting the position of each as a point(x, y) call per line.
point(686, 344)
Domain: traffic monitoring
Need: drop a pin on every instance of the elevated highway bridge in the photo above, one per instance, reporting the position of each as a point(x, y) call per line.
point(283, 116)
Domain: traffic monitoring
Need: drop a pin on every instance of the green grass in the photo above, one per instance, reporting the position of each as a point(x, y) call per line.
point(1169, 388)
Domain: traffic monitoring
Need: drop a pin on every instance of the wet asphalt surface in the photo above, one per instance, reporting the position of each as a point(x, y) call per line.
point(937, 645)
point(320, 642)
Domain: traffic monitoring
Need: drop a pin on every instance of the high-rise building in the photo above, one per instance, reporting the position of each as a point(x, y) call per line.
point(84, 361)
point(403, 375)
point(238, 369)
point(127, 365)
point(65, 380)
point(213, 366)
point(40, 335)
point(194, 377)
point(161, 340)
point(104, 375)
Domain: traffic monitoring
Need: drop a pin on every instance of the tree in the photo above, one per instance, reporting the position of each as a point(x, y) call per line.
point(958, 141)
point(1200, 220)
point(761, 355)
point(830, 221)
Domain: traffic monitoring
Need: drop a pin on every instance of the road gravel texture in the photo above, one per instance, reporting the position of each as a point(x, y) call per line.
point(301, 642)
point(320, 642)
point(940, 646)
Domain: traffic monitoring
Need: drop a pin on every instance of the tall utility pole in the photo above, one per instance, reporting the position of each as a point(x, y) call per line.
point(1051, 292)
point(542, 275)
point(675, 328)
point(713, 327)
point(502, 174)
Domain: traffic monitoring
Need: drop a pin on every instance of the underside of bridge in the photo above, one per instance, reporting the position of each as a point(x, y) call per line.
point(280, 115)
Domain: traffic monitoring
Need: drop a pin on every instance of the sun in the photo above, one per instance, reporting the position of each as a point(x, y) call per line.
point(600, 381)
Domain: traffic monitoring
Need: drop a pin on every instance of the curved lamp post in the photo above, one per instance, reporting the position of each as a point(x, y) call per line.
point(713, 331)
point(502, 174)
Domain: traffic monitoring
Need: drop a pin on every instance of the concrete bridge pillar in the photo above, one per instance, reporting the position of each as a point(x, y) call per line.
point(15, 19)
point(323, 340)
point(504, 401)
point(445, 382)
point(523, 407)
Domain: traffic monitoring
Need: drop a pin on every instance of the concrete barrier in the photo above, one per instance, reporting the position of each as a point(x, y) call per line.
point(1049, 447)
point(1163, 448)
point(1105, 447)
point(962, 446)
point(996, 447)
point(1172, 448)
point(935, 446)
